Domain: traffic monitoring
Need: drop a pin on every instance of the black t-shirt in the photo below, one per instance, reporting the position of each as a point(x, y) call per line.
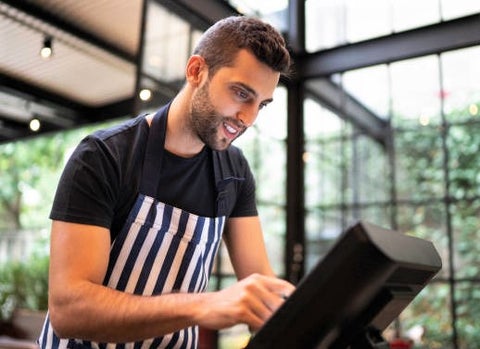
point(101, 180)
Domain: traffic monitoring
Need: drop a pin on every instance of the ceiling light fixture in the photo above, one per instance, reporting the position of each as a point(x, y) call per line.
point(145, 94)
point(35, 125)
point(47, 50)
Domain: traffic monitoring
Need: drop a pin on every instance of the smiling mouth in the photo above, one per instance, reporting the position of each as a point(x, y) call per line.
point(232, 131)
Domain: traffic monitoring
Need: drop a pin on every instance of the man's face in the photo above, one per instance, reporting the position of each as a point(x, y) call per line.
point(224, 105)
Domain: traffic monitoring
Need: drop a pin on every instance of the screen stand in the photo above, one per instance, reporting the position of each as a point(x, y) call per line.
point(370, 339)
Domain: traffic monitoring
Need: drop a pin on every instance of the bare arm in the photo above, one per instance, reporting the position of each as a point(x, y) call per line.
point(246, 247)
point(247, 251)
point(81, 307)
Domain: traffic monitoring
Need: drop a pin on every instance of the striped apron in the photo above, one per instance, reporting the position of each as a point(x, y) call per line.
point(161, 249)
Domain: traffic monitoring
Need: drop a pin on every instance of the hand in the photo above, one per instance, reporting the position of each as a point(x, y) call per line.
point(250, 301)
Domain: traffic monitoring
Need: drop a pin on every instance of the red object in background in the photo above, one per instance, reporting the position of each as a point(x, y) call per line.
point(207, 339)
point(401, 343)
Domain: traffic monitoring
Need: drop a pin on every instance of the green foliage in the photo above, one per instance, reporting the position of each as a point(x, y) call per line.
point(7, 296)
point(437, 173)
point(468, 310)
point(23, 165)
point(24, 285)
point(464, 146)
point(419, 155)
point(29, 174)
point(430, 311)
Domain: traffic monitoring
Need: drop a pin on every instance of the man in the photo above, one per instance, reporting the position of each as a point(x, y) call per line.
point(141, 208)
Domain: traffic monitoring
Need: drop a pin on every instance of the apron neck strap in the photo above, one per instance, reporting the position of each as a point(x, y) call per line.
point(152, 161)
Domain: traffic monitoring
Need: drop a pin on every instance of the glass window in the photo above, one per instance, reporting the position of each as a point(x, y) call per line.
point(322, 155)
point(324, 24)
point(419, 164)
point(409, 14)
point(416, 92)
point(465, 224)
point(428, 318)
point(464, 146)
point(271, 174)
point(426, 221)
point(377, 213)
point(347, 178)
point(367, 19)
point(459, 8)
point(323, 172)
point(322, 227)
point(271, 11)
point(369, 175)
point(273, 221)
point(467, 300)
point(461, 84)
point(370, 86)
point(331, 23)
point(319, 121)
point(167, 44)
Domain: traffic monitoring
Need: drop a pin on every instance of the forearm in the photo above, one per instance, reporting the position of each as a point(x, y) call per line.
point(101, 314)
point(97, 313)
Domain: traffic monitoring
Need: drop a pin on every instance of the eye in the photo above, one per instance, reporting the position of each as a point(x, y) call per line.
point(241, 93)
point(262, 105)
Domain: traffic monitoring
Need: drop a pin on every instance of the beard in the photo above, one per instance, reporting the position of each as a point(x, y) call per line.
point(205, 121)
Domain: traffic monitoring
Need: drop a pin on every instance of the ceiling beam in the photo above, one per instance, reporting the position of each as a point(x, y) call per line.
point(347, 107)
point(10, 131)
point(18, 87)
point(200, 14)
point(13, 131)
point(211, 11)
point(445, 36)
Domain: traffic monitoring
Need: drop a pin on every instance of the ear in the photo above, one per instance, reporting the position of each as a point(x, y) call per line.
point(196, 69)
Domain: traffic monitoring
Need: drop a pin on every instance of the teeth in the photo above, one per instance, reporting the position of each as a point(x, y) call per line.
point(230, 129)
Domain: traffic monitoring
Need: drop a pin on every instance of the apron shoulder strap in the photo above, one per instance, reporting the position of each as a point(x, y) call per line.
point(225, 167)
point(152, 160)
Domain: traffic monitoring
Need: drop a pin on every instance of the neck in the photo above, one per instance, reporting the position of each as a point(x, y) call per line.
point(180, 140)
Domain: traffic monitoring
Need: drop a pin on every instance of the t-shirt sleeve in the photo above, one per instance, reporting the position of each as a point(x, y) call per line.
point(88, 187)
point(245, 204)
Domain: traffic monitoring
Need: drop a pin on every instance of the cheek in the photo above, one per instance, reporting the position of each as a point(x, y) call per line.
point(223, 102)
point(226, 111)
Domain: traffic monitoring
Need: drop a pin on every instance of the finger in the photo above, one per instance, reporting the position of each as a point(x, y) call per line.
point(281, 287)
point(257, 312)
point(271, 300)
point(263, 296)
point(264, 302)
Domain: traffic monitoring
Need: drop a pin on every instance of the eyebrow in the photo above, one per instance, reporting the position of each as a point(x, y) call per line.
point(253, 92)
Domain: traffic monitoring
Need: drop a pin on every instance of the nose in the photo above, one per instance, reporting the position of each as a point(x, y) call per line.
point(247, 116)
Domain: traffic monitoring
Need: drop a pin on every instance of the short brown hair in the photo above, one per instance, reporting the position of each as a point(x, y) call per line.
point(220, 44)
